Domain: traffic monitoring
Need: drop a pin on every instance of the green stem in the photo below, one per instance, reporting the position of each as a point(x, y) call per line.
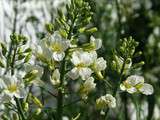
point(19, 107)
point(62, 71)
point(125, 99)
point(13, 60)
point(119, 20)
point(60, 92)
point(13, 31)
point(138, 112)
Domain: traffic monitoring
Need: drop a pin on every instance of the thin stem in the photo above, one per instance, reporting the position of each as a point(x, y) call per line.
point(125, 98)
point(119, 20)
point(72, 102)
point(13, 60)
point(60, 92)
point(138, 108)
point(62, 71)
point(52, 94)
point(13, 31)
point(19, 107)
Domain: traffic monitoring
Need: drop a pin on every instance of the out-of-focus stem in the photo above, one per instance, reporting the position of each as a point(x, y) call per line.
point(119, 20)
point(13, 31)
point(60, 92)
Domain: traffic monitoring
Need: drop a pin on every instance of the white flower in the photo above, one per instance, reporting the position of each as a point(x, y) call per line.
point(42, 51)
point(106, 101)
point(14, 87)
point(58, 45)
point(97, 43)
point(100, 64)
point(81, 60)
point(87, 87)
point(135, 83)
point(55, 79)
point(89, 84)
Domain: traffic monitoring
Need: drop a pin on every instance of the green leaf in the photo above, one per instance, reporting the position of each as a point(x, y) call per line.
point(27, 58)
point(4, 49)
point(28, 50)
point(1, 64)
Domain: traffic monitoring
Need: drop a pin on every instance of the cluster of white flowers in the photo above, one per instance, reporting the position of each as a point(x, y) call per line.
point(135, 83)
point(85, 63)
point(106, 101)
point(84, 59)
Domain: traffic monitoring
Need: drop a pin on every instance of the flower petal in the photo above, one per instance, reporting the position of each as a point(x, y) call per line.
point(85, 73)
point(147, 89)
point(73, 74)
point(58, 56)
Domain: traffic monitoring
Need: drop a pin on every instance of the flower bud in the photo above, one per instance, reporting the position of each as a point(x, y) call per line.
point(37, 101)
point(38, 111)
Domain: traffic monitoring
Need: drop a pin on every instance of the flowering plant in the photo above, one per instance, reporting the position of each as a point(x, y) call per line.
point(65, 69)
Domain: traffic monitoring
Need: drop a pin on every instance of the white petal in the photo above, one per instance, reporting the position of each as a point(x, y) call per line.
point(122, 87)
point(76, 58)
point(93, 55)
point(96, 42)
point(147, 89)
point(89, 84)
point(58, 56)
point(56, 74)
point(56, 36)
point(2, 84)
point(73, 74)
point(86, 58)
point(85, 73)
point(131, 90)
point(111, 101)
point(135, 80)
point(100, 64)
point(55, 79)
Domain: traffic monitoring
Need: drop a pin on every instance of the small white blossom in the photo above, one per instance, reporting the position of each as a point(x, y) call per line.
point(58, 45)
point(100, 64)
point(41, 50)
point(14, 87)
point(135, 83)
point(55, 79)
point(106, 101)
point(97, 43)
point(89, 84)
point(87, 87)
point(81, 60)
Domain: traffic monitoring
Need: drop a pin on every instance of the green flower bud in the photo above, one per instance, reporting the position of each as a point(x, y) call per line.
point(91, 30)
point(37, 102)
point(49, 27)
point(38, 111)
point(25, 106)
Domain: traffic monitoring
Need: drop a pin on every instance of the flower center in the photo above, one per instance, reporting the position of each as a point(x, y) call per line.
point(80, 65)
point(57, 47)
point(12, 88)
